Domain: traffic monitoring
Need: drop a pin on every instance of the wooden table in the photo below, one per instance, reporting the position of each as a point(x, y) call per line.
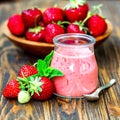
point(108, 58)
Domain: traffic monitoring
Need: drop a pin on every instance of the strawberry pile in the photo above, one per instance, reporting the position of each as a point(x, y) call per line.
point(42, 26)
point(33, 81)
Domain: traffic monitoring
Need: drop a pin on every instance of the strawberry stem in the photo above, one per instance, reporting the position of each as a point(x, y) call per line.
point(95, 10)
point(61, 23)
point(36, 20)
point(88, 16)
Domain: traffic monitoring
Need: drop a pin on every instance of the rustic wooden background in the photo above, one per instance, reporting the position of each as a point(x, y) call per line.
point(107, 55)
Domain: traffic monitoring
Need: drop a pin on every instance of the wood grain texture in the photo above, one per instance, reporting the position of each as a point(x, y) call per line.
point(108, 59)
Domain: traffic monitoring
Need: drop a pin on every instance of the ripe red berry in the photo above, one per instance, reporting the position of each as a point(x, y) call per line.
point(27, 70)
point(31, 17)
point(77, 13)
point(52, 29)
point(16, 25)
point(35, 34)
point(12, 89)
point(96, 25)
point(53, 14)
point(47, 89)
point(74, 28)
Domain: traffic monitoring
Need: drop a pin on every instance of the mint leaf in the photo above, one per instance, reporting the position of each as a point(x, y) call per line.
point(48, 71)
point(48, 58)
point(55, 72)
point(41, 66)
point(44, 68)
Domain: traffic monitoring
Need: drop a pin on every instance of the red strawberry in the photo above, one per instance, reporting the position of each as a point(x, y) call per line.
point(12, 89)
point(31, 17)
point(76, 10)
point(35, 34)
point(52, 29)
point(76, 27)
point(16, 25)
point(27, 70)
point(47, 89)
point(96, 25)
point(53, 14)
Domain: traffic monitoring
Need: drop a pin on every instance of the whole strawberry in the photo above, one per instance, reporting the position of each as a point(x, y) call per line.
point(96, 25)
point(76, 27)
point(12, 89)
point(47, 89)
point(31, 17)
point(16, 25)
point(24, 96)
point(53, 14)
point(51, 30)
point(35, 34)
point(77, 10)
point(27, 70)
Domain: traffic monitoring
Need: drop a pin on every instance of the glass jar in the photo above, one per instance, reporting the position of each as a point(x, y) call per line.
point(74, 56)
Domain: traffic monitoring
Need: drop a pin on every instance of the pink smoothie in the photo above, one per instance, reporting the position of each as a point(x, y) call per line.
point(80, 71)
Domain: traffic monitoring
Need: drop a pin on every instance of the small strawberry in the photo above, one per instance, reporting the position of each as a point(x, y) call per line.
point(76, 27)
point(53, 14)
point(53, 29)
point(96, 25)
point(76, 10)
point(12, 89)
point(31, 17)
point(35, 34)
point(24, 96)
point(27, 70)
point(16, 25)
point(47, 89)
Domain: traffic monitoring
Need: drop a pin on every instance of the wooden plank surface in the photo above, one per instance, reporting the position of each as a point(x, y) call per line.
point(108, 59)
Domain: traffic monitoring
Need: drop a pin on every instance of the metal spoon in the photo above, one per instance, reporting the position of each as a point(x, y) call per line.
point(95, 95)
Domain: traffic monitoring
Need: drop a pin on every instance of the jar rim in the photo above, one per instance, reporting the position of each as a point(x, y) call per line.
point(90, 40)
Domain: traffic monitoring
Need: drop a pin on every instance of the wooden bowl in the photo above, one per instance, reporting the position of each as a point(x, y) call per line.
point(42, 48)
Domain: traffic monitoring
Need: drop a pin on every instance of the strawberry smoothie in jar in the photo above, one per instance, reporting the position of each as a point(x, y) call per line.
point(74, 56)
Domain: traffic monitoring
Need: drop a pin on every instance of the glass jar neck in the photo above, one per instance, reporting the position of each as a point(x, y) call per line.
point(74, 40)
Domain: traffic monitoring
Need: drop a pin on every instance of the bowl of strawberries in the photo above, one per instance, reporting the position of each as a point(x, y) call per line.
point(33, 29)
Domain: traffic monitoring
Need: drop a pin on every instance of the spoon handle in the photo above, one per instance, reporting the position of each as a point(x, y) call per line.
point(113, 81)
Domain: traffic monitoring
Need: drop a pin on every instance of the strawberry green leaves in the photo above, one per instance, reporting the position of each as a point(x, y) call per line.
point(44, 68)
point(75, 4)
point(35, 85)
